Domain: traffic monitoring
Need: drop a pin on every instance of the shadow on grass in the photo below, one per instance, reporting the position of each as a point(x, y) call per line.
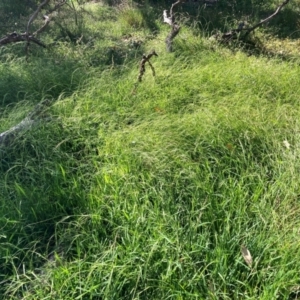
point(41, 184)
point(41, 77)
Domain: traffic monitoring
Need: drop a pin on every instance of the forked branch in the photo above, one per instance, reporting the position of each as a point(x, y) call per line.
point(49, 17)
point(31, 37)
point(146, 59)
point(34, 15)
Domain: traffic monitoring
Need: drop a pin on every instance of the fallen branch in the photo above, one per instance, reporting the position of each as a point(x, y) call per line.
point(235, 33)
point(248, 30)
point(17, 37)
point(175, 28)
point(32, 118)
point(31, 37)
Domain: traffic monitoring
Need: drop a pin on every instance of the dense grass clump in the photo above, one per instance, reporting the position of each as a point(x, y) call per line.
point(149, 190)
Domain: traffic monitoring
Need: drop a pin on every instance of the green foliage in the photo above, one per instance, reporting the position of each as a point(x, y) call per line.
point(149, 191)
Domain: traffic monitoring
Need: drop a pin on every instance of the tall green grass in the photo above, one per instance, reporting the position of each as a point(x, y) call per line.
point(149, 191)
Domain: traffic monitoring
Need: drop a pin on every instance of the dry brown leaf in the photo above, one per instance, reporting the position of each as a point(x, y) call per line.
point(247, 256)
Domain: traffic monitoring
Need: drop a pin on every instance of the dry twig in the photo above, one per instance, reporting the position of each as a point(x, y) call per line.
point(146, 59)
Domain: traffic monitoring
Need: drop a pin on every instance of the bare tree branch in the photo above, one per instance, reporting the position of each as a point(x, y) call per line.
point(172, 7)
point(47, 21)
point(26, 36)
point(233, 34)
point(175, 28)
point(48, 18)
point(57, 6)
point(268, 18)
point(34, 15)
point(23, 37)
point(32, 118)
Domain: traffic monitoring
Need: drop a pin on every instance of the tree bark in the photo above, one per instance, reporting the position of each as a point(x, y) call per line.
point(175, 28)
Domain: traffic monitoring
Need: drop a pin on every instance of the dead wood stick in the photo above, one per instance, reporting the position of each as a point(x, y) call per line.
point(34, 15)
point(47, 21)
point(16, 37)
point(27, 36)
point(48, 18)
point(233, 34)
point(175, 28)
point(248, 30)
point(32, 118)
point(146, 59)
